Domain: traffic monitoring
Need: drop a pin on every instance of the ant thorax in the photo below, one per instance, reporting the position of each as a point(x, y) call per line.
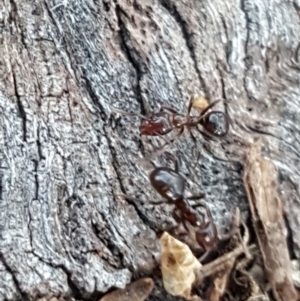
point(156, 124)
point(179, 120)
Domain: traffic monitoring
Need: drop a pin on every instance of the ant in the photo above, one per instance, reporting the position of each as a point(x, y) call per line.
point(171, 186)
point(214, 123)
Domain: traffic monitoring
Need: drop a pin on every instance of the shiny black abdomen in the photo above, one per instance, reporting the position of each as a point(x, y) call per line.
point(216, 123)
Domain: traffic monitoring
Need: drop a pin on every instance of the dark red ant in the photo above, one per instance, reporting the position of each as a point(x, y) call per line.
point(171, 185)
point(214, 123)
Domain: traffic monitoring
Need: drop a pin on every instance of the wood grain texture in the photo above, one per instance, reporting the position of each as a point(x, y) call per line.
point(260, 181)
point(65, 156)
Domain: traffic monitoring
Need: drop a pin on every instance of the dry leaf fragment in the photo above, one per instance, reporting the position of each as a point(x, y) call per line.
point(200, 102)
point(177, 265)
point(138, 290)
point(266, 209)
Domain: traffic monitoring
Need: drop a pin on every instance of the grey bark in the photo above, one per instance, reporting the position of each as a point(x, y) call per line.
point(65, 156)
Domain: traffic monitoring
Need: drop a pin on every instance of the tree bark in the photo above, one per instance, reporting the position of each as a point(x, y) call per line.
point(66, 157)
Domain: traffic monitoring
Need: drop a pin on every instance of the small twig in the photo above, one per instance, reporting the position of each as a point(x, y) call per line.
point(218, 264)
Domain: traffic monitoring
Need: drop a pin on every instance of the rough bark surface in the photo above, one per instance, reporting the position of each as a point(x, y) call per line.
point(65, 156)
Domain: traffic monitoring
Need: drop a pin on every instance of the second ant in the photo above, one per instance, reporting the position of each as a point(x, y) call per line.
point(171, 186)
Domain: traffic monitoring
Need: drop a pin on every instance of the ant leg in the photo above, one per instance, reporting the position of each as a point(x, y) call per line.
point(190, 106)
point(156, 153)
point(205, 135)
point(207, 236)
point(235, 227)
point(192, 136)
point(211, 222)
point(168, 109)
point(176, 161)
point(209, 107)
point(177, 164)
point(179, 217)
point(177, 136)
point(201, 203)
point(191, 102)
point(165, 146)
point(119, 111)
point(195, 166)
point(171, 141)
point(129, 197)
point(198, 155)
point(197, 197)
point(138, 200)
point(203, 256)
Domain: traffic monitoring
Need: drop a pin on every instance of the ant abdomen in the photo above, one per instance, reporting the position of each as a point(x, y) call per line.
point(216, 123)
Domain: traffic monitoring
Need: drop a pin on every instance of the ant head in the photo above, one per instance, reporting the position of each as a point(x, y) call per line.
point(168, 183)
point(216, 123)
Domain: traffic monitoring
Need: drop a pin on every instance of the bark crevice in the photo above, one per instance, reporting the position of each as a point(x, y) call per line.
point(183, 25)
point(21, 108)
point(22, 295)
point(131, 55)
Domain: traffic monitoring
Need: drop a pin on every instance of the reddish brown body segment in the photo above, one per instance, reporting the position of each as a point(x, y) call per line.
point(214, 123)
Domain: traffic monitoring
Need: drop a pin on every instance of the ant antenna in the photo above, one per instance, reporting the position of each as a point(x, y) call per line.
point(122, 112)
